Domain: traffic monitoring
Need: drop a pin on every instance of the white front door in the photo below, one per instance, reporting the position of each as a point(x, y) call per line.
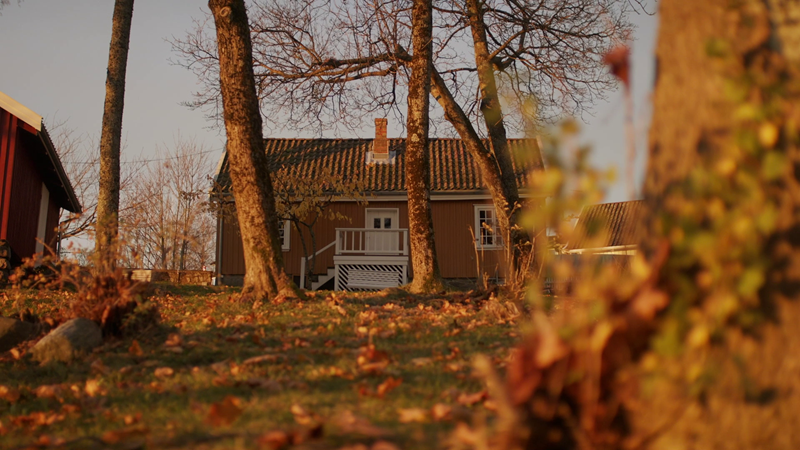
point(382, 242)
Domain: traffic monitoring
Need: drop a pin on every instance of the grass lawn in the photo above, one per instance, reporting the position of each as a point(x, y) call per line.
point(369, 370)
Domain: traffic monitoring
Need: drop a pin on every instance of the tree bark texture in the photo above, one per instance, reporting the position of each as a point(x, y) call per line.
point(493, 118)
point(420, 224)
point(107, 228)
point(252, 188)
point(701, 121)
point(487, 162)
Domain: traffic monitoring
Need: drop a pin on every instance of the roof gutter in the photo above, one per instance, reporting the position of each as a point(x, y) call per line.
point(72, 199)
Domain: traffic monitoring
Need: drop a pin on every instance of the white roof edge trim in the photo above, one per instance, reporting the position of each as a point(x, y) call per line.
point(21, 111)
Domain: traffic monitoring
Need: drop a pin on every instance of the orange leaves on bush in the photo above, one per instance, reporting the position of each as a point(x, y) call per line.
point(224, 412)
point(618, 61)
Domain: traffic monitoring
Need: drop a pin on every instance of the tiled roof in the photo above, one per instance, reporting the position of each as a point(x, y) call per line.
point(452, 167)
point(621, 222)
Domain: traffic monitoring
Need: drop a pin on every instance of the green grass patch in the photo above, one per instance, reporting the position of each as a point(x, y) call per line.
point(330, 371)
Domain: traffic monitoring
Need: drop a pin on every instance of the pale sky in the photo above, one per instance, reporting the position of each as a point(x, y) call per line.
point(54, 55)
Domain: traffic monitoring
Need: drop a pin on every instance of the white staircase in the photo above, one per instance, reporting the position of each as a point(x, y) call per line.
point(322, 279)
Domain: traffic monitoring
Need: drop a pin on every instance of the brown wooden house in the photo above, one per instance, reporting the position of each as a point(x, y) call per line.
point(33, 185)
point(370, 251)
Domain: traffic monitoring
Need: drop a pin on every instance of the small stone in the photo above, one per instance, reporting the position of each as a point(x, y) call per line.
point(13, 332)
point(67, 341)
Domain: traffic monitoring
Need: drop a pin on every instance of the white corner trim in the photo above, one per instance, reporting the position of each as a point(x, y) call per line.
point(21, 111)
point(41, 230)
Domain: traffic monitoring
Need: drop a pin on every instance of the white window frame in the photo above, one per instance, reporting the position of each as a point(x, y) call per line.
point(285, 233)
point(479, 230)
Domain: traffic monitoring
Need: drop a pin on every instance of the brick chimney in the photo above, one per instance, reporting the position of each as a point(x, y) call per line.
point(380, 146)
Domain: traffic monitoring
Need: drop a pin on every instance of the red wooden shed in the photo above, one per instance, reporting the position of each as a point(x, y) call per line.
point(33, 184)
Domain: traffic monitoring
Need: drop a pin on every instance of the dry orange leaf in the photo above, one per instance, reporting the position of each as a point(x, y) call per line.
point(9, 394)
point(441, 411)
point(164, 372)
point(135, 349)
point(384, 445)
point(48, 391)
point(93, 388)
point(470, 399)
point(224, 412)
point(274, 440)
point(390, 383)
point(124, 434)
point(408, 415)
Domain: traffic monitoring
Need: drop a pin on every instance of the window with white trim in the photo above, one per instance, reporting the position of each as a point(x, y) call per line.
point(284, 232)
point(487, 232)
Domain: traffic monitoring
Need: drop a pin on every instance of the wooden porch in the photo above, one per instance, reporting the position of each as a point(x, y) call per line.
point(365, 259)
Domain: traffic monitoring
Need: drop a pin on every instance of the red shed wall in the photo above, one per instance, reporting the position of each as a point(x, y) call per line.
point(26, 194)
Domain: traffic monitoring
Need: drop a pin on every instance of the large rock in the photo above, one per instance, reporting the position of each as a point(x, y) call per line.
point(13, 331)
point(68, 341)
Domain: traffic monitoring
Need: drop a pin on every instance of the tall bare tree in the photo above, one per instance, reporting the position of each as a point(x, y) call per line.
point(165, 221)
point(252, 187)
point(420, 224)
point(107, 228)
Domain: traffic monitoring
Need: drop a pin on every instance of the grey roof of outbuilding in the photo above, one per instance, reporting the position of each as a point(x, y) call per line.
point(452, 167)
point(621, 222)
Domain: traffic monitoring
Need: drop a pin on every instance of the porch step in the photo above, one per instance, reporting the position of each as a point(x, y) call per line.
point(322, 279)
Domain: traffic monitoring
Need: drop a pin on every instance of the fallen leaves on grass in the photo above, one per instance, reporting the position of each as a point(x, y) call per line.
point(224, 412)
point(36, 419)
point(388, 385)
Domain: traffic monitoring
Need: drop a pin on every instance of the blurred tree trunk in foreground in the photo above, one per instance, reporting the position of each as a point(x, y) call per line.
point(107, 228)
point(255, 201)
point(722, 190)
point(694, 347)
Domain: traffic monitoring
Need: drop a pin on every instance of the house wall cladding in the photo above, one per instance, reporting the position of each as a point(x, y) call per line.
point(451, 220)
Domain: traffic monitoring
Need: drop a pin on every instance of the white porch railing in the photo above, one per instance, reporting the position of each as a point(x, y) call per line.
point(368, 241)
point(367, 258)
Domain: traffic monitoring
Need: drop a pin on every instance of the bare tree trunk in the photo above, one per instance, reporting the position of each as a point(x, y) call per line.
point(255, 202)
point(420, 225)
point(514, 239)
point(487, 162)
point(107, 228)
